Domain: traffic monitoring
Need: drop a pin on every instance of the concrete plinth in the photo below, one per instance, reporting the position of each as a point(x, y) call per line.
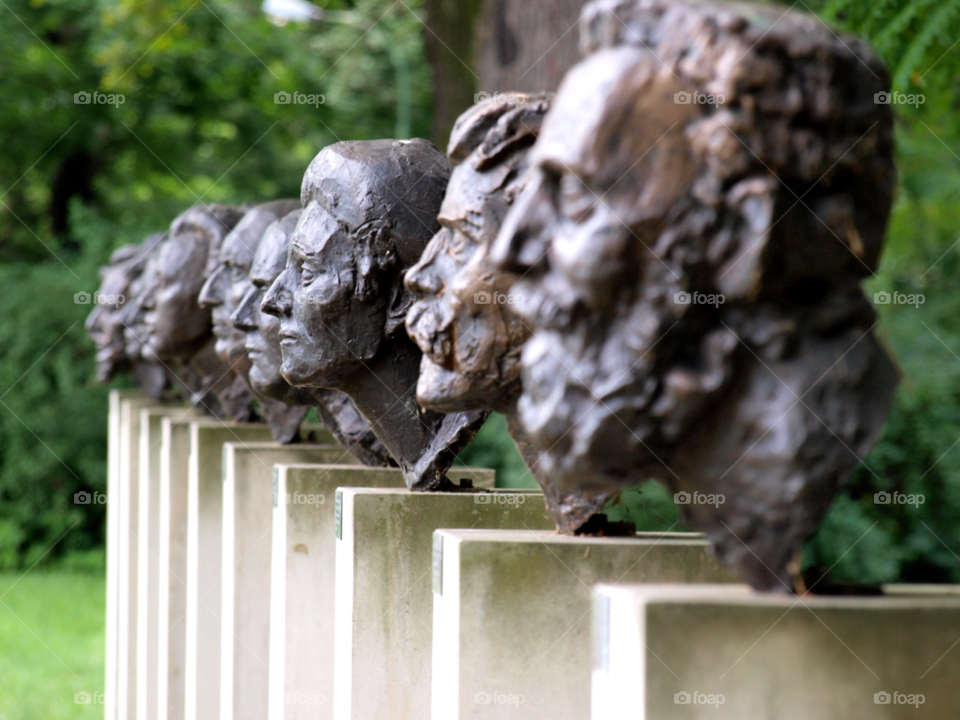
point(248, 471)
point(126, 522)
point(111, 666)
point(723, 653)
point(384, 602)
point(204, 561)
point(511, 614)
point(302, 581)
point(148, 551)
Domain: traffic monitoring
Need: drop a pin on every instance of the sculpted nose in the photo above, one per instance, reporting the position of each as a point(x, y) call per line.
point(245, 316)
point(211, 293)
point(422, 278)
point(278, 300)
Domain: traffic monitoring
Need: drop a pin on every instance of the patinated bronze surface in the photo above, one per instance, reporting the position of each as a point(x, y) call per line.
point(105, 323)
point(691, 269)
point(463, 321)
point(369, 209)
point(262, 343)
point(174, 329)
point(223, 290)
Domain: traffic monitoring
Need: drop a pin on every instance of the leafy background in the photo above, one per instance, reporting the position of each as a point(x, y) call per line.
point(199, 122)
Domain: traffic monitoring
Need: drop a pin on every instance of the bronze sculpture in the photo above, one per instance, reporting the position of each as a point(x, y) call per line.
point(462, 322)
point(105, 323)
point(691, 269)
point(369, 209)
point(261, 334)
point(225, 284)
point(173, 329)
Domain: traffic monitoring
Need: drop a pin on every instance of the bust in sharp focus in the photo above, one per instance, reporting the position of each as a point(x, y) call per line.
point(369, 209)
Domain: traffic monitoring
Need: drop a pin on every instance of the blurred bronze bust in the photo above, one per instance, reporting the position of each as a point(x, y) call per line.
point(174, 329)
point(227, 269)
point(369, 209)
point(710, 187)
point(463, 322)
point(261, 334)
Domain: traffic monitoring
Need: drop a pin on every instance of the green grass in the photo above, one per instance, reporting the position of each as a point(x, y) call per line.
point(51, 644)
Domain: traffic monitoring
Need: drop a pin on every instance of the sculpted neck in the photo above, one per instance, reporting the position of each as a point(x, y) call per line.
point(385, 392)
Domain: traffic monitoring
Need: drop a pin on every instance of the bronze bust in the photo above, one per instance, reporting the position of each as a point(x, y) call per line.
point(711, 185)
point(369, 209)
point(463, 322)
point(262, 343)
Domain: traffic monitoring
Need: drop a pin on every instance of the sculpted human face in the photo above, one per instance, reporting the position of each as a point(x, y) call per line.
point(611, 161)
point(462, 324)
point(262, 331)
point(104, 324)
point(326, 332)
point(174, 322)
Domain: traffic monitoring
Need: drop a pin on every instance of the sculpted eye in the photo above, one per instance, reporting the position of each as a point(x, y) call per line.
point(576, 199)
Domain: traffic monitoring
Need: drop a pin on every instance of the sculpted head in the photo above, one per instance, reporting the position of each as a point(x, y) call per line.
point(462, 322)
point(105, 324)
point(228, 281)
point(176, 325)
point(262, 331)
point(368, 210)
point(691, 244)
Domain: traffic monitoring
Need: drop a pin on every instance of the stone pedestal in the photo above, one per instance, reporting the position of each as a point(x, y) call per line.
point(148, 551)
point(248, 470)
point(126, 522)
point(728, 653)
point(384, 602)
point(301, 584)
point(172, 600)
point(204, 558)
point(111, 666)
point(511, 614)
